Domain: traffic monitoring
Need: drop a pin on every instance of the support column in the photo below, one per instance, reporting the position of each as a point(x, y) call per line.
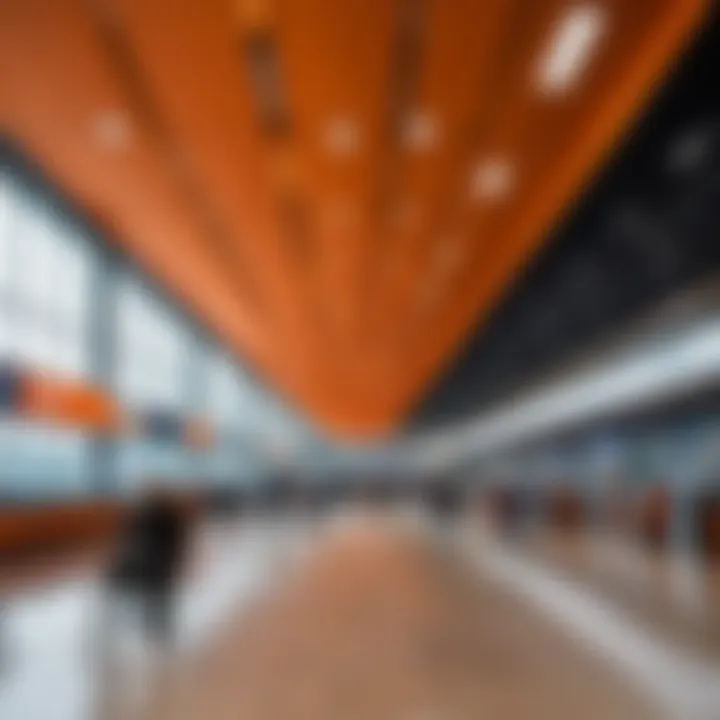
point(688, 573)
point(196, 398)
point(103, 364)
point(533, 506)
point(683, 530)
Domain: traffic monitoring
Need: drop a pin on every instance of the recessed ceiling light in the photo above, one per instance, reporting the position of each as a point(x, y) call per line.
point(574, 38)
point(341, 137)
point(492, 179)
point(111, 129)
point(420, 131)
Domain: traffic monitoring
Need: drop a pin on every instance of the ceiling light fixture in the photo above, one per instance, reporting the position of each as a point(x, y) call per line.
point(574, 39)
point(341, 137)
point(492, 179)
point(420, 132)
point(112, 130)
point(632, 379)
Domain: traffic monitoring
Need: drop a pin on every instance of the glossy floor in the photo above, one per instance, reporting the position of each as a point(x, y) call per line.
point(367, 617)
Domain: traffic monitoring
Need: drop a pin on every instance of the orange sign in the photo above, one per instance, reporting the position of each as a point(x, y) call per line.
point(68, 403)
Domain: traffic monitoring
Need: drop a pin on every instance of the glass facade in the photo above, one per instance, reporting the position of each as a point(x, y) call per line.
point(46, 269)
point(53, 274)
point(152, 375)
point(225, 407)
point(45, 283)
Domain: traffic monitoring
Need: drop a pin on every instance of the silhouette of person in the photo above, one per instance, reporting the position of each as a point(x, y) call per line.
point(149, 557)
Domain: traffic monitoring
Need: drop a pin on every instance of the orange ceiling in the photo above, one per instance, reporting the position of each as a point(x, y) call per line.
point(340, 249)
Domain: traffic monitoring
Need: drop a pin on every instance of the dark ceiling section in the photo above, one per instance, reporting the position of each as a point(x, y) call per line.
point(649, 225)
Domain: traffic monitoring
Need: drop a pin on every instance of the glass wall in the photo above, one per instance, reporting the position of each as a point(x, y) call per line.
point(46, 268)
point(153, 375)
point(71, 309)
point(252, 428)
point(225, 407)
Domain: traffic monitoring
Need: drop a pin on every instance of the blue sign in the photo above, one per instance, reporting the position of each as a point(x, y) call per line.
point(163, 426)
point(9, 388)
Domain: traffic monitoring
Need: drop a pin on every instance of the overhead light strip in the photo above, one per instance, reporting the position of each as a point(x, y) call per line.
point(689, 360)
point(572, 44)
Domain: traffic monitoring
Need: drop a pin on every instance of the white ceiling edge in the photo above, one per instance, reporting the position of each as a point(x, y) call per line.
point(677, 363)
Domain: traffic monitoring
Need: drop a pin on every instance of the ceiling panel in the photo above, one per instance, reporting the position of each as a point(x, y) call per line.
point(340, 189)
point(188, 54)
point(646, 228)
point(452, 88)
point(336, 61)
point(61, 98)
point(550, 169)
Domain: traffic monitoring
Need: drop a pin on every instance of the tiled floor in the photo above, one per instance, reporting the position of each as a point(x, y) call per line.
point(676, 596)
point(671, 676)
point(383, 623)
point(375, 618)
point(52, 660)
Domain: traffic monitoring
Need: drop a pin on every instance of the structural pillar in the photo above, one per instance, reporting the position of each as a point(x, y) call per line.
point(103, 363)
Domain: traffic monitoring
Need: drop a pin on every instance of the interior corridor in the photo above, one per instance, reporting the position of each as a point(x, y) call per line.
point(372, 617)
point(383, 622)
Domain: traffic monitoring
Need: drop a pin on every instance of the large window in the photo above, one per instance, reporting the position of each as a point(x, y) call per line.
point(153, 348)
point(46, 267)
point(255, 430)
point(225, 405)
point(54, 286)
point(45, 284)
